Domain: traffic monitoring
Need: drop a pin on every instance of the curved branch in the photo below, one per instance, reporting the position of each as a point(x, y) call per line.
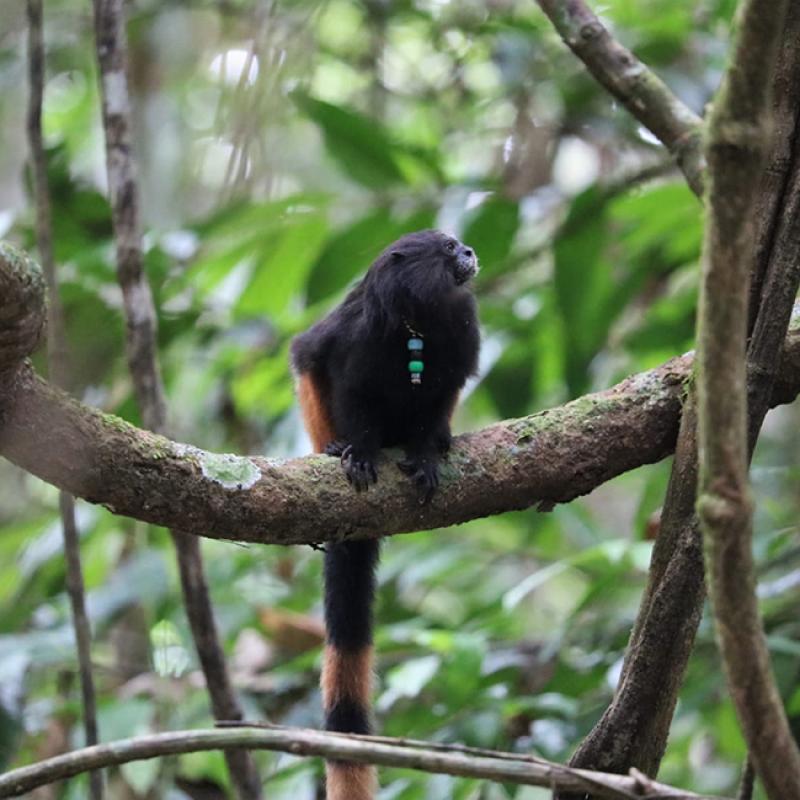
point(442, 759)
point(641, 92)
point(739, 137)
point(547, 458)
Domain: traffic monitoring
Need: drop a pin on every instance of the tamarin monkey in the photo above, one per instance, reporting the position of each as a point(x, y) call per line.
point(383, 369)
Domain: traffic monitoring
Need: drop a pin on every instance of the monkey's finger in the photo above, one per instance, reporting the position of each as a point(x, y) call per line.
point(336, 448)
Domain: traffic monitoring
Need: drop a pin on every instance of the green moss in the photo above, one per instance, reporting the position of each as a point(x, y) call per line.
point(117, 423)
point(147, 445)
point(232, 472)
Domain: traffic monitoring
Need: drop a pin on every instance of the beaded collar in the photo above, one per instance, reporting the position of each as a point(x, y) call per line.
point(415, 347)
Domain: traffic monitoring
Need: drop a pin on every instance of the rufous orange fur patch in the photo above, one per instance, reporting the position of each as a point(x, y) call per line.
point(346, 676)
point(350, 781)
point(315, 414)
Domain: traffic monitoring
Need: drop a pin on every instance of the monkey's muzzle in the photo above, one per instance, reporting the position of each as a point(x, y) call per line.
point(466, 265)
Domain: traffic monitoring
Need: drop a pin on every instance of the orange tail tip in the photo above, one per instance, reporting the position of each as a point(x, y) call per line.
point(346, 688)
point(350, 781)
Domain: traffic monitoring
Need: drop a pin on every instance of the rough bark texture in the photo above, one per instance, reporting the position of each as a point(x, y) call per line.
point(443, 759)
point(643, 94)
point(137, 297)
point(22, 310)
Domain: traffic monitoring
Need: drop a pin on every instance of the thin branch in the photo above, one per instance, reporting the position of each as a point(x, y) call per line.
point(301, 742)
point(737, 148)
point(123, 188)
point(142, 349)
point(747, 782)
point(641, 92)
point(547, 458)
point(58, 367)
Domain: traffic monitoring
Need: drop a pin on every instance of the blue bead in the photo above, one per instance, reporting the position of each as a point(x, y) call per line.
point(415, 344)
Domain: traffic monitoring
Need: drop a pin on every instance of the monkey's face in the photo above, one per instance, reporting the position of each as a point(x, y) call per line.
point(430, 261)
point(460, 259)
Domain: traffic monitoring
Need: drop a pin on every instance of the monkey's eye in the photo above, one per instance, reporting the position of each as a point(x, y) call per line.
point(450, 246)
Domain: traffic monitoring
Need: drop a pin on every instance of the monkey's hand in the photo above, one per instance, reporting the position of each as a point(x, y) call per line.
point(424, 472)
point(359, 469)
point(335, 448)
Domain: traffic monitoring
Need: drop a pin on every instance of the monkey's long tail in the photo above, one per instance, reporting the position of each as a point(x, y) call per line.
point(347, 666)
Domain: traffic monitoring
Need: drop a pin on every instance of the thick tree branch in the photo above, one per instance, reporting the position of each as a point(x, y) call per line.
point(142, 348)
point(550, 457)
point(646, 97)
point(442, 759)
point(737, 148)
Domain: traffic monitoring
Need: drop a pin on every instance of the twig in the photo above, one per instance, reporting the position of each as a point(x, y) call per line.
point(143, 364)
point(642, 93)
point(58, 368)
point(738, 136)
point(412, 755)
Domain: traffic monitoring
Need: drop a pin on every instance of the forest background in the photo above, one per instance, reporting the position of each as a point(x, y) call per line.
point(281, 145)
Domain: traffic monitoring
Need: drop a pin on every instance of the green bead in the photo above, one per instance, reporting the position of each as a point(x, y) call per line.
point(415, 366)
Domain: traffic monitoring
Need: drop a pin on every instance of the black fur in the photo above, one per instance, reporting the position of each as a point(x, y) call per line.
point(349, 591)
point(358, 356)
point(347, 717)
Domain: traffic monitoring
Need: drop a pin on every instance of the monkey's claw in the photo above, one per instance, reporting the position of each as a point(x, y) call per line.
point(359, 472)
point(425, 475)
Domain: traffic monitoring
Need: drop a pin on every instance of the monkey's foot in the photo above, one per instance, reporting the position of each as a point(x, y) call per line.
point(335, 448)
point(424, 473)
point(443, 442)
point(360, 472)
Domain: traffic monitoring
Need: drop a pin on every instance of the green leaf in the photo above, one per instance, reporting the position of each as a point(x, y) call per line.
point(360, 145)
point(141, 776)
point(491, 230)
point(408, 680)
point(282, 260)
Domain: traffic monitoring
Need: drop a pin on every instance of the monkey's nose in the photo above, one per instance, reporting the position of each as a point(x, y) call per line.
point(467, 265)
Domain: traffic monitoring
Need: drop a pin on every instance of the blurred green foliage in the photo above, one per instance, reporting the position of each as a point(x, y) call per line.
point(282, 145)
